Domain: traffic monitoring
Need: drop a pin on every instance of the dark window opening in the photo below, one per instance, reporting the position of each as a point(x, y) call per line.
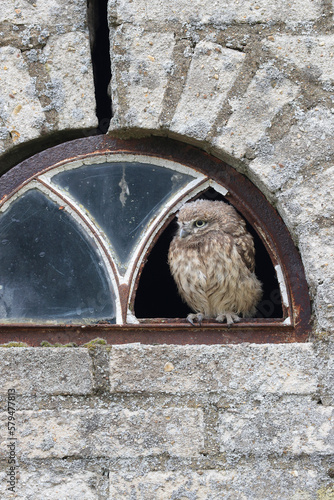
point(157, 295)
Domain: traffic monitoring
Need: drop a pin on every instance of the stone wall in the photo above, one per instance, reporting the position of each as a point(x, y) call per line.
point(251, 82)
point(158, 422)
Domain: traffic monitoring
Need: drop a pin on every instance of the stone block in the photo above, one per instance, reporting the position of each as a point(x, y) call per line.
point(328, 391)
point(293, 427)
point(41, 14)
point(42, 482)
point(316, 244)
point(45, 371)
point(252, 114)
point(217, 13)
point(259, 480)
point(21, 113)
point(311, 54)
point(309, 198)
point(233, 369)
point(46, 77)
point(69, 87)
point(324, 305)
point(300, 153)
point(116, 432)
point(139, 76)
point(326, 368)
point(213, 71)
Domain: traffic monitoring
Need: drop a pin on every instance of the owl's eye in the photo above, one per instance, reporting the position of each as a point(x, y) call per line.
point(199, 223)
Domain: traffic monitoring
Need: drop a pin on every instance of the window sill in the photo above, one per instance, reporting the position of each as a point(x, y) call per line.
point(160, 331)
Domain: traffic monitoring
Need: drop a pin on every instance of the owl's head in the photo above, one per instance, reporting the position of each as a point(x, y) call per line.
point(201, 217)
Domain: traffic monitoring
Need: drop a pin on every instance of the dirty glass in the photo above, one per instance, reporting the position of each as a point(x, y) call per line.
point(49, 269)
point(122, 198)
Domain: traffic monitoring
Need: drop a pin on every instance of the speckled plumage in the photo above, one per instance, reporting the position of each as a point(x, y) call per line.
point(212, 261)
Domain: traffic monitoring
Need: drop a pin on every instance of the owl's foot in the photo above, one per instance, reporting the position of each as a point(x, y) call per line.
point(195, 317)
point(229, 317)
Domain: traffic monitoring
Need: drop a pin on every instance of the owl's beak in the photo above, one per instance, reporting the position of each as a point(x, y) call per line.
point(184, 231)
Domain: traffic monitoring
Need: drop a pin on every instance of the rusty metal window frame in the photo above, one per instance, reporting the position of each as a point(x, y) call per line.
point(294, 326)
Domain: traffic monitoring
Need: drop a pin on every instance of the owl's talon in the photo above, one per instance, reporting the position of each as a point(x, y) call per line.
point(229, 317)
point(195, 317)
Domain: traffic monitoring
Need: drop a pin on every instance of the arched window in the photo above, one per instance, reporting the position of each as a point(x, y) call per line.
point(84, 233)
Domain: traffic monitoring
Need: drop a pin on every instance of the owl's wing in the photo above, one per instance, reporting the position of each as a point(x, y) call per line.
point(236, 228)
point(245, 247)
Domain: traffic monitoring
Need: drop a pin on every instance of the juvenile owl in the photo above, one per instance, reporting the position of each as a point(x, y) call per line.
point(211, 258)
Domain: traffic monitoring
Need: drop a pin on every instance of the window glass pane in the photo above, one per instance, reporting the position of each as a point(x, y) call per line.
point(123, 198)
point(48, 268)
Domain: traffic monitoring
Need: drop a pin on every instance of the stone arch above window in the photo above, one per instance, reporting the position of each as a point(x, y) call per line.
point(84, 230)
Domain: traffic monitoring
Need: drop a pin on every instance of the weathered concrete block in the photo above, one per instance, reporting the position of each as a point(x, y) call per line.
point(328, 380)
point(316, 244)
point(213, 71)
point(70, 87)
point(111, 433)
point(292, 426)
point(268, 92)
point(310, 197)
point(278, 369)
point(312, 54)
point(325, 353)
point(139, 76)
point(318, 252)
point(217, 13)
point(260, 480)
point(51, 14)
point(21, 113)
point(46, 78)
point(66, 479)
point(323, 302)
point(45, 371)
point(298, 154)
point(52, 483)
